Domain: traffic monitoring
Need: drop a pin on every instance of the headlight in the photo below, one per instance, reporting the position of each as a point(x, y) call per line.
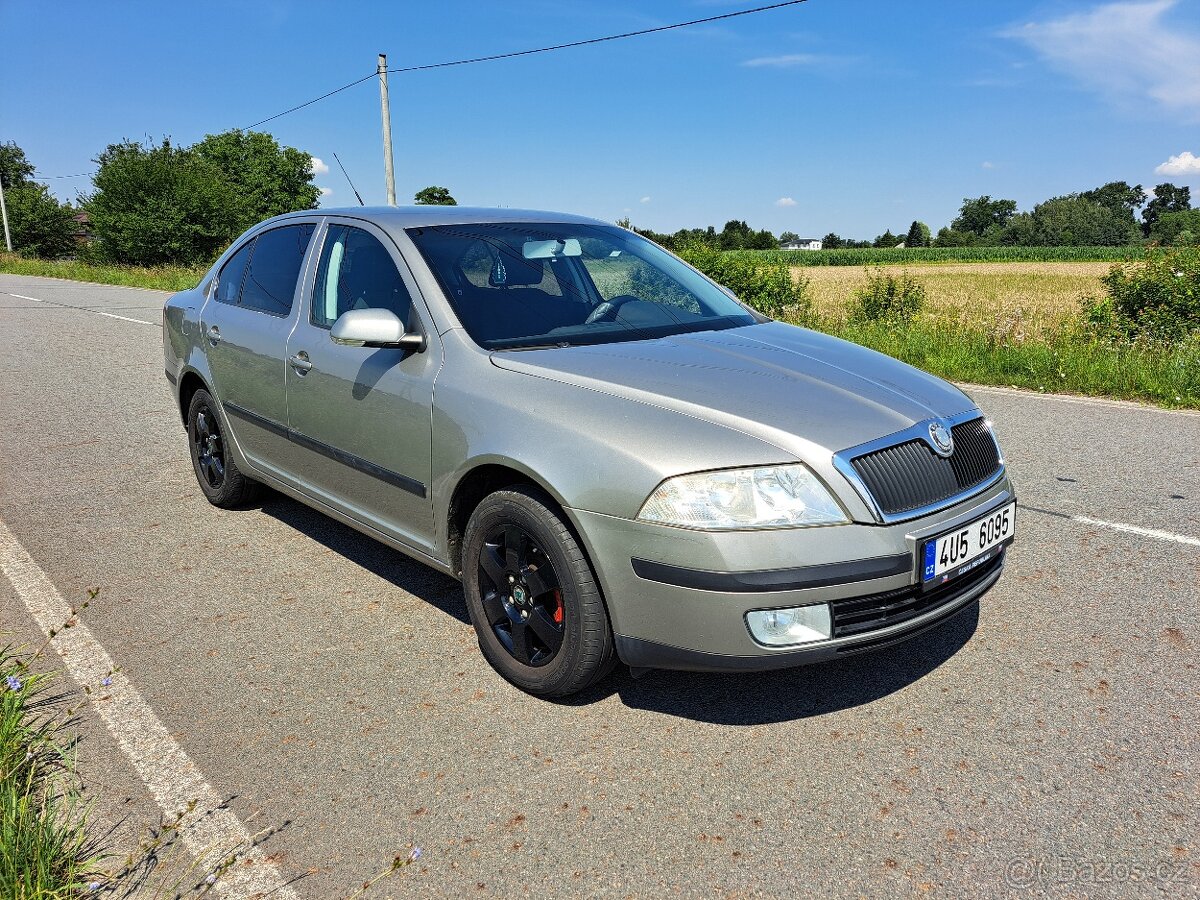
point(766, 497)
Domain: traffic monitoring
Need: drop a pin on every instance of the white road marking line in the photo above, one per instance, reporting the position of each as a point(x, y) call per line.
point(115, 316)
point(1078, 401)
point(82, 309)
point(210, 832)
point(1144, 532)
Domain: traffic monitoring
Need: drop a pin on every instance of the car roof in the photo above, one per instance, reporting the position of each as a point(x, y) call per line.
point(424, 216)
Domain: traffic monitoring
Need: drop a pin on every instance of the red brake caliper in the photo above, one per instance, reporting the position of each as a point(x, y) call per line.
point(558, 607)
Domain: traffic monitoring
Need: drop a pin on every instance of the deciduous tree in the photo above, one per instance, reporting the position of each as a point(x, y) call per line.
point(434, 196)
point(37, 222)
point(1167, 198)
point(266, 179)
point(1076, 221)
point(15, 167)
point(158, 203)
point(980, 214)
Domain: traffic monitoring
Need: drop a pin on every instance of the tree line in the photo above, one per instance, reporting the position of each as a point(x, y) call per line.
point(163, 204)
point(160, 203)
point(1104, 217)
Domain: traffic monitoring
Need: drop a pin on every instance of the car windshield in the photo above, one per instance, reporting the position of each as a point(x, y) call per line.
point(522, 285)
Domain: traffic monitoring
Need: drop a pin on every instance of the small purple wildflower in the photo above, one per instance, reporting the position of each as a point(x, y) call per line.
point(106, 681)
point(211, 879)
point(94, 886)
point(13, 682)
point(415, 855)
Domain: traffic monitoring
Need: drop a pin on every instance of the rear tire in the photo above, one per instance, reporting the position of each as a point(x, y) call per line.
point(532, 597)
point(220, 479)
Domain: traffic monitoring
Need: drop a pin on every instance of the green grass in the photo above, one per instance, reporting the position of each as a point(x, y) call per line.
point(44, 848)
point(1066, 362)
point(162, 278)
point(871, 256)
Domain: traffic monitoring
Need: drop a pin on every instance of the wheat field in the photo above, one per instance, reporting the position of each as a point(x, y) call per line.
point(1035, 296)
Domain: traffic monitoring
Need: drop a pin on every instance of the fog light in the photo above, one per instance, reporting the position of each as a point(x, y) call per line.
point(787, 627)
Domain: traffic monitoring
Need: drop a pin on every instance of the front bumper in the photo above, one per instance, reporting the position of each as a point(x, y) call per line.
point(678, 599)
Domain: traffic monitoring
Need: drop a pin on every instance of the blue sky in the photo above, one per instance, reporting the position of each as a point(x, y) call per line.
point(836, 115)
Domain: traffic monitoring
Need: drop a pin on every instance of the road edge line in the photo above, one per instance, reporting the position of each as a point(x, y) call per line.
point(211, 831)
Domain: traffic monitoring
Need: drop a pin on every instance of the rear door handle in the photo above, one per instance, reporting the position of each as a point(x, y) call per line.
point(300, 363)
point(214, 335)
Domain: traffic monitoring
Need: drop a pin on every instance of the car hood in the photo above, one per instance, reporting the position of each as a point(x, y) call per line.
point(805, 392)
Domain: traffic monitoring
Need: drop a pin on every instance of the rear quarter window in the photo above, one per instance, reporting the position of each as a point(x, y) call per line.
point(229, 281)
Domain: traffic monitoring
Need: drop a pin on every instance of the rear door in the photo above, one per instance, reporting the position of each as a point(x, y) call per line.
point(244, 327)
point(361, 418)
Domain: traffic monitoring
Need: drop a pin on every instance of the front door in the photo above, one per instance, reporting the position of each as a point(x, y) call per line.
point(244, 326)
point(360, 418)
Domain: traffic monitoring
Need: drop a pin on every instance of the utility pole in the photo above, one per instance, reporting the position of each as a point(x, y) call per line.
point(4, 214)
point(388, 175)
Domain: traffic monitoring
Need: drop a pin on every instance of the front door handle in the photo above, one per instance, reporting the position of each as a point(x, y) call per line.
point(214, 335)
point(300, 363)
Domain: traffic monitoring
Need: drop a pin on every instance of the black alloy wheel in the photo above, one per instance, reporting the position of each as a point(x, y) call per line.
point(532, 595)
point(220, 479)
point(521, 597)
point(209, 447)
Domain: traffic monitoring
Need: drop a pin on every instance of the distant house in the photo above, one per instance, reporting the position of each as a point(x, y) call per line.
point(83, 229)
point(801, 244)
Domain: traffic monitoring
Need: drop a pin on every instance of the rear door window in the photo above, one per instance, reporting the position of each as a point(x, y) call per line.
point(229, 282)
point(270, 282)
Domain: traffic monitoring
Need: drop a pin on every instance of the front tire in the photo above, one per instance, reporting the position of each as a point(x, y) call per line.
point(532, 598)
point(220, 479)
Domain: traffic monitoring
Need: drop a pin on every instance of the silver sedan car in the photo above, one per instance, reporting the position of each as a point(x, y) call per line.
point(617, 458)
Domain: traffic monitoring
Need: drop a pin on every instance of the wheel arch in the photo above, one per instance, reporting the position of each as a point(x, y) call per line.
point(481, 478)
point(190, 382)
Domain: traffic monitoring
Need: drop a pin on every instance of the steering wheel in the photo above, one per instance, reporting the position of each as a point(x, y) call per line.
point(607, 309)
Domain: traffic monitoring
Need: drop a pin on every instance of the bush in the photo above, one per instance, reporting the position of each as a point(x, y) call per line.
point(765, 283)
point(887, 298)
point(1158, 299)
point(41, 226)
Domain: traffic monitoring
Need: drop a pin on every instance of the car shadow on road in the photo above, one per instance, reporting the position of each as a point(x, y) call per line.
point(765, 697)
point(755, 698)
point(438, 590)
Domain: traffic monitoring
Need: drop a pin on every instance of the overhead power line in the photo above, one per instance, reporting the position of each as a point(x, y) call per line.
point(599, 40)
point(517, 53)
point(310, 102)
point(38, 176)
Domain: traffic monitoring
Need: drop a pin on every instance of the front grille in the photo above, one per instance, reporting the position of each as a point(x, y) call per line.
point(856, 615)
point(910, 476)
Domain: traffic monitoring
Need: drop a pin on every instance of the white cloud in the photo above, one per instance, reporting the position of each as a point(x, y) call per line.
point(326, 192)
point(1181, 166)
point(787, 61)
point(987, 165)
point(785, 201)
point(644, 200)
point(317, 167)
point(1124, 51)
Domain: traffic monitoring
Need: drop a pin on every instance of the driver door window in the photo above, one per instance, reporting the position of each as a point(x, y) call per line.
point(356, 272)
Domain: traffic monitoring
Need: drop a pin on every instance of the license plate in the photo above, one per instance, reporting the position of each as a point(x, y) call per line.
point(958, 552)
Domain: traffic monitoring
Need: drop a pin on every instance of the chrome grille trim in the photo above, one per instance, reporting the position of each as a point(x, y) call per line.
point(901, 477)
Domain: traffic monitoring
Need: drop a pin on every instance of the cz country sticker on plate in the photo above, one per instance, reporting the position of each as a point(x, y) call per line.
point(958, 552)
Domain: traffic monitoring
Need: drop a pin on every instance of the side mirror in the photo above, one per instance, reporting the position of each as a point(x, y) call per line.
point(374, 328)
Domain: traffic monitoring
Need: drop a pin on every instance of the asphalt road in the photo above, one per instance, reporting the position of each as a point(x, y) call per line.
point(332, 691)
